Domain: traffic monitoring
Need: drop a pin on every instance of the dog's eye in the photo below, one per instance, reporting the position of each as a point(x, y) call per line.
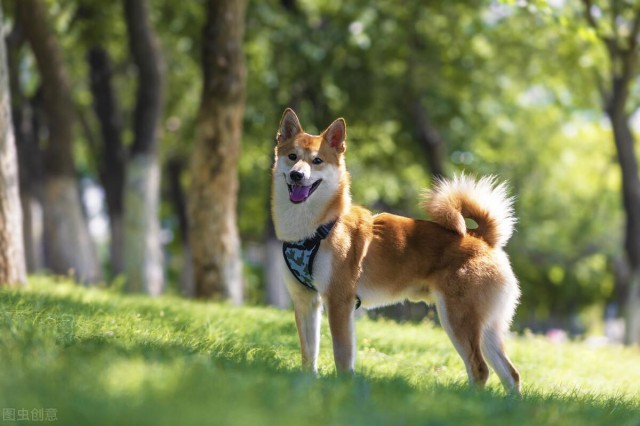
point(292, 157)
point(317, 160)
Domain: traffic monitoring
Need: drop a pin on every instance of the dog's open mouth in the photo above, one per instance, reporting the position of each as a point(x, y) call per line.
point(300, 193)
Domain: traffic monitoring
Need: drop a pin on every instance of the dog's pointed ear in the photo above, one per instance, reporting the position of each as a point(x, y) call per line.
point(289, 126)
point(336, 135)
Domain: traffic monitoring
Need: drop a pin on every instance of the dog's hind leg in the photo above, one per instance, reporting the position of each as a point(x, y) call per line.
point(493, 349)
point(501, 309)
point(464, 329)
point(307, 306)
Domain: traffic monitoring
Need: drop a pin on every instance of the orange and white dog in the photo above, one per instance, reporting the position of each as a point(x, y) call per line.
point(343, 255)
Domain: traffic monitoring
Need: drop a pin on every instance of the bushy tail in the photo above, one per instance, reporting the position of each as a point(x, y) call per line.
point(485, 201)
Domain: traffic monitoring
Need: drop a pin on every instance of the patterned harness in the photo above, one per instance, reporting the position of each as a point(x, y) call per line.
point(299, 256)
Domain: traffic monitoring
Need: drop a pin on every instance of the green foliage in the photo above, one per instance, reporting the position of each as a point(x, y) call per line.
point(509, 85)
point(512, 91)
point(103, 358)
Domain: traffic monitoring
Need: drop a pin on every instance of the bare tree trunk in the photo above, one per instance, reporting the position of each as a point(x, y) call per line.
point(175, 168)
point(29, 158)
point(31, 178)
point(622, 47)
point(212, 199)
point(69, 249)
point(143, 250)
point(632, 320)
point(112, 155)
point(68, 245)
point(430, 139)
point(142, 245)
point(33, 231)
point(30, 164)
point(12, 260)
point(625, 142)
point(275, 291)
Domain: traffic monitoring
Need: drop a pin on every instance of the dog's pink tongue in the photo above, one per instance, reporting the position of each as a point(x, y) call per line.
point(299, 193)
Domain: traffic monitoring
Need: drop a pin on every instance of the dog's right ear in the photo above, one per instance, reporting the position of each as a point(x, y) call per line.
point(289, 126)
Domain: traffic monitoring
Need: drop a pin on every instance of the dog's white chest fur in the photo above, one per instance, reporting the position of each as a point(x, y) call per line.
point(322, 268)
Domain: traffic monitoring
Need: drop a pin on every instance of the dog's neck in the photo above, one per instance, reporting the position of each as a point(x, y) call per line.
point(295, 222)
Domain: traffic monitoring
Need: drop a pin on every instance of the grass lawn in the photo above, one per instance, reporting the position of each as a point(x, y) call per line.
point(93, 357)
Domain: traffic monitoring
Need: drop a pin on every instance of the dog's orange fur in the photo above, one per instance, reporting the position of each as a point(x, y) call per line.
point(466, 271)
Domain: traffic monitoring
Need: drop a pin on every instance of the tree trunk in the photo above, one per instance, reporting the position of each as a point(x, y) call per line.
point(212, 200)
point(142, 245)
point(68, 245)
point(69, 249)
point(12, 260)
point(622, 47)
point(30, 164)
point(29, 158)
point(276, 293)
point(625, 142)
point(143, 251)
point(111, 157)
point(429, 139)
point(33, 231)
point(175, 168)
point(632, 319)
point(31, 180)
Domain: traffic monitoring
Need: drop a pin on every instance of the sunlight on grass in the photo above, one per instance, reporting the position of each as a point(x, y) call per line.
point(132, 377)
point(104, 358)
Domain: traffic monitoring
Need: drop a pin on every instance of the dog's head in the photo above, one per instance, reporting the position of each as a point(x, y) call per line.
point(309, 164)
point(310, 181)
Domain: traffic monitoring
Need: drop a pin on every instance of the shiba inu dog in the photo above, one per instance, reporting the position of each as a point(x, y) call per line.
point(342, 255)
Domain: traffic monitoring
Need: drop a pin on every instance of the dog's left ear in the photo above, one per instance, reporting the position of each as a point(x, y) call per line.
point(336, 135)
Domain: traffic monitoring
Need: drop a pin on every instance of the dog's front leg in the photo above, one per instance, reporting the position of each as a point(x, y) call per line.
point(307, 305)
point(342, 325)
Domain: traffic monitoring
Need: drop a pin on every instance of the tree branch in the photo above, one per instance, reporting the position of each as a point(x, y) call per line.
point(602, 91)
point(589, 15)
point(88, 132)
point(615, 12)
point(610, 42)
point(629, 56)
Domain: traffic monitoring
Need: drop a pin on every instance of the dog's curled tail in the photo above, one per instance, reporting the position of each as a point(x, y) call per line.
point(484, 200)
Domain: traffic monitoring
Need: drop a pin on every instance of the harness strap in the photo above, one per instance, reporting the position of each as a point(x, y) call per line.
point(323, 230)
point(299, 256)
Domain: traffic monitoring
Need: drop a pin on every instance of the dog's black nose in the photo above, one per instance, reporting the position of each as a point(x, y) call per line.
point(296, 176)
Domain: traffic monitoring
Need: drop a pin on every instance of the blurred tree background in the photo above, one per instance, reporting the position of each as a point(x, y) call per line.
point(433, 88)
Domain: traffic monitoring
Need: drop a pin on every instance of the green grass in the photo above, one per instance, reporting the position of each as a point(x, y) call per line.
point(98, 357)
